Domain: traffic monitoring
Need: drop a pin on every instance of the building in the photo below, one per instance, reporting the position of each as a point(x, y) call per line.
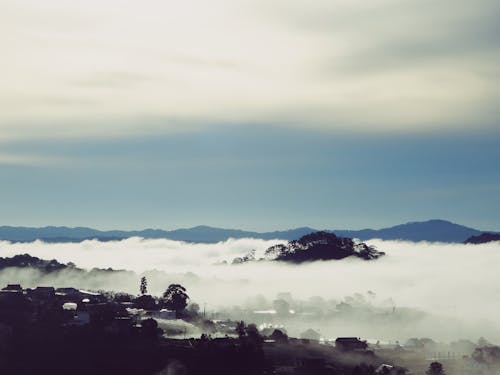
point(43, 292)
point(13, 288)
point(163, 314)
point(350, 343)
point(385, 369)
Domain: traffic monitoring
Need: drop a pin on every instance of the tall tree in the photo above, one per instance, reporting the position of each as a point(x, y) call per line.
point(144, 285)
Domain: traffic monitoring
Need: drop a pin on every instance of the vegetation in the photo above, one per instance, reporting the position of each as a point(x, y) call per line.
point(50, 266)
point(28, 261)
point(483, 238)
point(435, 368)
point(321, 246)
point(175, 297)
point(144, 285)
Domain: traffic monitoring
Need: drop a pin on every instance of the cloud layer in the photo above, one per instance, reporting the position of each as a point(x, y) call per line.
point(452, 280)
point(123, 67)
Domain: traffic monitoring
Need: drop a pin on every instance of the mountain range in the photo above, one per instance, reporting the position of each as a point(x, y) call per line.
point(431, 230)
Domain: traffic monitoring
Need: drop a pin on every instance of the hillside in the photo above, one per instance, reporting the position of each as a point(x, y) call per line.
point(483, 238)
point(321, 246)
point(27, 261)
point(431, 230)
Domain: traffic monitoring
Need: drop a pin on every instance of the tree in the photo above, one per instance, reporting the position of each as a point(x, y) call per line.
point(279, 336)
point(310, 334)
point(241, 329)
point(435, 368)
point(192, 311)
point(150, 328)
point(145, 302)
point(144, 285)
point(175, 297)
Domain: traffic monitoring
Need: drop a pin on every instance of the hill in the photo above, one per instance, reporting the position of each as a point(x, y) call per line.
point(431, 230)
point(26, 261)
point(483, 238)
point(321, 246)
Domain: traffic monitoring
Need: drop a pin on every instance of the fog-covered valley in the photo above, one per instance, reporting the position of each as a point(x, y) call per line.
point(443, 291)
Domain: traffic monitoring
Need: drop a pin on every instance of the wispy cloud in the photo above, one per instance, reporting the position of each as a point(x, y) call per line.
point(97, 69)
point(31, 160)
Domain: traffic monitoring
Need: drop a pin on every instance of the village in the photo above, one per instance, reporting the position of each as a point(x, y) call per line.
point(143, 334)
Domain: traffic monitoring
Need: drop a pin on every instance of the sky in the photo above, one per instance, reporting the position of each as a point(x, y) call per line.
point(258, 115)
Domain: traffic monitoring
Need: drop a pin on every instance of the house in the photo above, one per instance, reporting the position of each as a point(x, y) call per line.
point(68, 292)
point(385, 369)
point(91, 297)
point(43, 292)
point(350, 343)
point(163, 314)
point(13, 288)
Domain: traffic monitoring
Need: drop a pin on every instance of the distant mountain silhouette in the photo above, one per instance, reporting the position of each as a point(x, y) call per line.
point(432, 230)
point(483, 238)
point(203, 234)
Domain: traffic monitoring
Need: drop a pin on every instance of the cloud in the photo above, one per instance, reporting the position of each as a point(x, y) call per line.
point(94, 69)
point(160, 254)
point(21, 159)
point(450, 280)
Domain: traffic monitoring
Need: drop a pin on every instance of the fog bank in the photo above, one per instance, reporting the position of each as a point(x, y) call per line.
point(455, 281)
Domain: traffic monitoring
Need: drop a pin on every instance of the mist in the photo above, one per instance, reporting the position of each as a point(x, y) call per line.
point(444, 291)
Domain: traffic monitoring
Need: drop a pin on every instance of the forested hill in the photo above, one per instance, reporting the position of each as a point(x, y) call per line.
point(321, 246)
point(27, 261)
point(483, 238)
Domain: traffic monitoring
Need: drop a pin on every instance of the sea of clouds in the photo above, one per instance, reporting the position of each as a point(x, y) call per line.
point(451, 280)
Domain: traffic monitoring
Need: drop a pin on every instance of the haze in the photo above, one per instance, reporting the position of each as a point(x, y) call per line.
point(456, 283)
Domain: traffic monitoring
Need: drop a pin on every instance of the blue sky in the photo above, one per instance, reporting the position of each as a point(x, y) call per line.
point(258, 177)
point(251, 114)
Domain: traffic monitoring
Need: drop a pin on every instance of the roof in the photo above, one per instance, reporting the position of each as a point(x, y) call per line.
point(67, 290)
point(347, 339)
point(13, 287)
point(87, 292)
point(45, 289)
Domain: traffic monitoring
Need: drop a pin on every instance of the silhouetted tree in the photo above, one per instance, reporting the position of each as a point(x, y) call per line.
point(279, 336)
point(144, 285)
point(145, 302)
point(121, 297)
point(150, 328)
point(175, 297)
point(483, 342)
point(240, 329)
point(321, 246)
point(310, 334)
point(253, 333)
point(435, 368)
